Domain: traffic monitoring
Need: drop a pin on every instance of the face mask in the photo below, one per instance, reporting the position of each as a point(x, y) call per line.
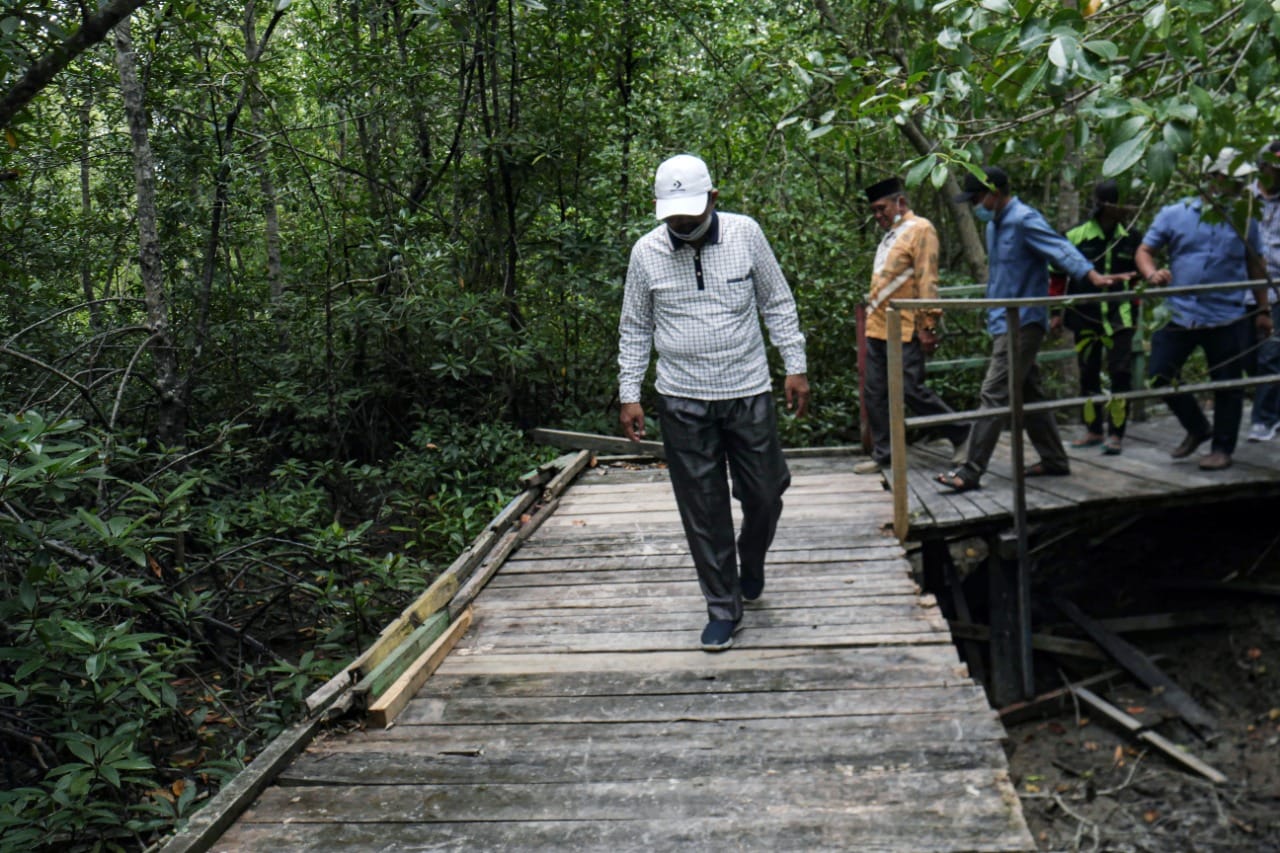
point(984, 214)
point(693, 235)
point(897, 218)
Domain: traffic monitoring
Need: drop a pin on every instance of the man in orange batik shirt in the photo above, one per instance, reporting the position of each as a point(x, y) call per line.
point(906, 267)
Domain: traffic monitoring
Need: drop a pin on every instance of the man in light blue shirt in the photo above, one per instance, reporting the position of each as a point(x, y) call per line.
point(1020, 247)
point(1206, 252)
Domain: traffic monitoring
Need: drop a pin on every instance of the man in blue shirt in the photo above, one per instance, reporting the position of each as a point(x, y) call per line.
point(1021, 245)
point(1202, 252)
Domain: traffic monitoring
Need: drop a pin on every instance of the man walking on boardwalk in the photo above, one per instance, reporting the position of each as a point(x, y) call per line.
point(696, 287)
point(1021, 245)
point(906, 267)
point(1204, 252)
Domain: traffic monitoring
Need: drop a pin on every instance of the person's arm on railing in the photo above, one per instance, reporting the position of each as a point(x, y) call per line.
point(1262, 295)
point(1144, 259)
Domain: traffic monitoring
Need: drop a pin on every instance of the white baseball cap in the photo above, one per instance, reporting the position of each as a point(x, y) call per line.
point(1221, 165)
point(680, 187)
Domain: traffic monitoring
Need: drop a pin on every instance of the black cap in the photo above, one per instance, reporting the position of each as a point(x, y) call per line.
point(996, 179)
point(889, 186)
point(1106, 192)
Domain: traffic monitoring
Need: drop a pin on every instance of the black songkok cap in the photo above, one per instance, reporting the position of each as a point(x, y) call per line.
point(889, 186)
point(996, 179)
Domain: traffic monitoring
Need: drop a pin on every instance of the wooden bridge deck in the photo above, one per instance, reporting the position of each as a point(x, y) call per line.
point(579, 714)
point(1143, 477)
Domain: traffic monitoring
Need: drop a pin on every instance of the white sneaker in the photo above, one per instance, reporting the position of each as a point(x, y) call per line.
point(867, 466)
point(1262, 432)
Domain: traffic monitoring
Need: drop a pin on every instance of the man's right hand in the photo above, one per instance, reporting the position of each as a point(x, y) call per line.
point(632, 419)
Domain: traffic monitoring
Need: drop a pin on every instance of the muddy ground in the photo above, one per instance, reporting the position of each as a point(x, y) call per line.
point(1087, 785)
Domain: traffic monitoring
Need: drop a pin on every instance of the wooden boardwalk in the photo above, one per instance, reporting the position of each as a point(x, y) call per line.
point(578, 713)
point(1142, 478)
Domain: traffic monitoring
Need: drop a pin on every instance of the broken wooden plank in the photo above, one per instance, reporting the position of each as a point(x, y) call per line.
point(203, 830)
point(1058, 700)
point(433, 599)
point(594, 441)
point(1136, 728)
point(401, 657)
point(567, 474)
point(393, 700)
point(1142, 668)
point(1039, 642)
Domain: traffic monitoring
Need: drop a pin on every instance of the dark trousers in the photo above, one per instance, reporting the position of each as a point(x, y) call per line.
point(1040, 426)
point(1093, 341)
point(700, 437)
point(920, 398)
point(1224, 347)
point(1266, 398)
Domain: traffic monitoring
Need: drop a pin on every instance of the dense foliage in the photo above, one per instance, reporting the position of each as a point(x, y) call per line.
point(285, 282)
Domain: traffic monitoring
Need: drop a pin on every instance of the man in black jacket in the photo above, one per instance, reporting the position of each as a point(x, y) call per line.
point(1104, 328)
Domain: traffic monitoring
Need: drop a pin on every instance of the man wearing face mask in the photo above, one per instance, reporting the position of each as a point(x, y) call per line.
point(1206, 252)
point(906, 267)
point(696, 288)
point(1021, 246)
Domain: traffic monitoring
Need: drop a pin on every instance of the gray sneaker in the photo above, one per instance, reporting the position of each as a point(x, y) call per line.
point(1262, 432)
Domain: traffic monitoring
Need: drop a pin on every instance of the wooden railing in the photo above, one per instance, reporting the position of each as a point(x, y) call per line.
point(1018, 578)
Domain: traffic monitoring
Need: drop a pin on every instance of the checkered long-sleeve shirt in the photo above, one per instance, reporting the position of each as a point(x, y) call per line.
point(699, 309)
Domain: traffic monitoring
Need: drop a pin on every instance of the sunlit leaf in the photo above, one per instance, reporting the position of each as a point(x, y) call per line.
point(1125, 155)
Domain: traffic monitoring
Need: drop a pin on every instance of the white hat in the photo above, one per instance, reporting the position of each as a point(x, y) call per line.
point(1221, 165)
point(680, 187)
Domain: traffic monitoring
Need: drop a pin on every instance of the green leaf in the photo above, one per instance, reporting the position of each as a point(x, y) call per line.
point(1178, 137)
point(916, 174)
point(1105, 49)
point(950, 38)
point(1000, 7)
point(1124, 156)
point(1161, 162)
point(1058, 54)
point(819, 132)
point(939, 176)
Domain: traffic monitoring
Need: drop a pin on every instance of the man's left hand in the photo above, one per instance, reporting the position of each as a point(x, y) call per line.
point(1263, 322)
point(930, 340)
point(796, 389)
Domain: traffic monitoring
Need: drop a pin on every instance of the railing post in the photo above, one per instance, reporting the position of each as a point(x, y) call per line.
point(1022, 579)
point(897, 425)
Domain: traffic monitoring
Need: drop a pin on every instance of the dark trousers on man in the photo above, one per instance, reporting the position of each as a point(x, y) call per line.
point(1040, 426)
point(920, 398)
point(1093, 341)
point(700, 437)
point(1224, 348)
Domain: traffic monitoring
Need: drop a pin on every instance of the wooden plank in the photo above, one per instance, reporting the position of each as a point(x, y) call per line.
point(821, 787)
point(393, 700)
point(391, 667)
point(567, 474)
point(203, 830)
point(435, 597)
point(596, 442)
point(979, 826)
point(1142, 668)
point(1041, 642)
point(1135, 727)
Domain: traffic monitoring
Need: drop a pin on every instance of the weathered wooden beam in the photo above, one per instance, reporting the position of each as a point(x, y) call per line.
point(510, 542)
point(435, 597)
point(401, 657)
point(593, 441)
point(393, 700)
point(1039, 642)
point(1142, 668)
point(1055, 701)
point(1137, 729)
point(566, 476)
point(202, 831)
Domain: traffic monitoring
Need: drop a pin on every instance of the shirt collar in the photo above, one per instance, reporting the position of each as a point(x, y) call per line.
point(713, 234)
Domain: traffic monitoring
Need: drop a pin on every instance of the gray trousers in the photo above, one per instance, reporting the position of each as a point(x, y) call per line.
point(920, 398)
point(700, 437)
point(1041, 427)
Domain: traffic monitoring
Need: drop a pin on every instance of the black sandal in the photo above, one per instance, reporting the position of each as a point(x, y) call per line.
point(957, 482)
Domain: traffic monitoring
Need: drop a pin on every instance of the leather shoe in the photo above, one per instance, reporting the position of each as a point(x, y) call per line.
point(1216, 461)
point(1189, 445)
